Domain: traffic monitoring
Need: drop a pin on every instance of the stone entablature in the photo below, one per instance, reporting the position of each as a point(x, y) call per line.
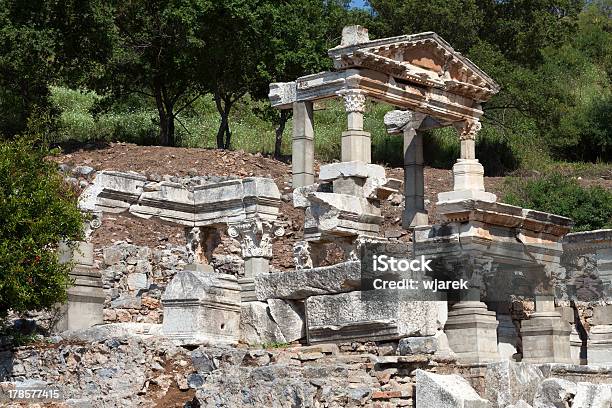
point(205, 205)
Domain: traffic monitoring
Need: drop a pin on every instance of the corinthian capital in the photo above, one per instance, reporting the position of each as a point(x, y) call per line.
point(255, 237)
point(468, 129)
point(354, 100)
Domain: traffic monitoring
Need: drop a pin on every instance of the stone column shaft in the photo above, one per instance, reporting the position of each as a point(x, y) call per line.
point(414, 184)
point(356, 143)
point(302, 151)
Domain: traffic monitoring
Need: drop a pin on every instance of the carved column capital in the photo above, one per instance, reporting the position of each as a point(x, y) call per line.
point(255, 237)
point(398, 121)
point(468, 129)
point(354, 100)
point(93, 222)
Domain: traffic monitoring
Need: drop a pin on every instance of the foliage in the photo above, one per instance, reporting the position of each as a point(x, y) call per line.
point(589, 207)
point(38, 211)
point(43, 41)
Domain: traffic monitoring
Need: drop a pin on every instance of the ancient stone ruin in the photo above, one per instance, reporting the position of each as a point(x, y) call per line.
point(534, 329)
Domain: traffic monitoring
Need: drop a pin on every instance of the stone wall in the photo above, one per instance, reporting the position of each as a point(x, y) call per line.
point(134, 277)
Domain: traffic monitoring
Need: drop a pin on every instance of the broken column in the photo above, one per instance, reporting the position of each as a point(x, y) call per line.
point(468, 173)
point(302, 150)
point(356, 143)
point(407, 123)
point(86, 296)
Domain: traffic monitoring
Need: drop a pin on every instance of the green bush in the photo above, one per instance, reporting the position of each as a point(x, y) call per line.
point(589, 207)
point(38, 211)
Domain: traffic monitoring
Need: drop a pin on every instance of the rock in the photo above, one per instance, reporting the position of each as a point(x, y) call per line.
point(137, 281)
point(127, 301)
point(423, 345)
point(508, 382)
point(445, 391)
point(83, 170)
point(396, 199)
point(289, 316)
point(590, 395)
point(555, 393)
point(300, 284)
point(520, 404)
point(112, 255)
point(257, 326)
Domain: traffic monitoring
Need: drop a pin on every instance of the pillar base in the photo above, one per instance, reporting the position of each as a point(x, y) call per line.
point(599, 345)
point(86, 297)
point(546, 338)
point(472, 332)
point(468, 183)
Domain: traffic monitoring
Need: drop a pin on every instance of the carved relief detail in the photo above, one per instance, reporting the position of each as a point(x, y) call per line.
point(255, 237)
point(354, 100)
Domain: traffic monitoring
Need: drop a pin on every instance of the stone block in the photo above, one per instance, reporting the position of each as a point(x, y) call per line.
point(546, 338)
point(202, 308)
point(137, 281)
point(445, 391)
point(508, 382)
point(357, 169)
point(554, 392)
point(290, 317)
point(372, 316)
point(257, 326)
point(300, 284)
point(436, 344)
point(520, 404)
point(590, 395)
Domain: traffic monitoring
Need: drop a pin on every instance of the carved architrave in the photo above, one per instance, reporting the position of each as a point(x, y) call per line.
point(354, 100)
point(255, 237)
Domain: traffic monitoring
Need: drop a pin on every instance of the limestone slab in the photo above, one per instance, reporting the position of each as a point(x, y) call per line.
point(445, 391)
point(300, 284)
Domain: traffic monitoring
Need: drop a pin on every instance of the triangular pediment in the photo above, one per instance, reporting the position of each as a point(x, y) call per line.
point(424, 59)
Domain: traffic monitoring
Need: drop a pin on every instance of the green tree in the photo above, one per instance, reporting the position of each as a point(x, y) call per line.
point(38, 211)
point(155, 48)
point(42, 42)
point(297, 36)
point(589, 207)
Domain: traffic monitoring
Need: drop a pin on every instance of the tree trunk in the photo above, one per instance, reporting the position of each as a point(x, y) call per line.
point(278, 143)
point(166, 116)
point(224, 135)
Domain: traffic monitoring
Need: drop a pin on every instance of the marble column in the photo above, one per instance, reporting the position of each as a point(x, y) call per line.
point(356, 143)
point(468, 173)
point(302, 151)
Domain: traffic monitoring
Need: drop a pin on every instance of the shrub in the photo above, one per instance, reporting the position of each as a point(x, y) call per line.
point(589, 207)
point(37, 210)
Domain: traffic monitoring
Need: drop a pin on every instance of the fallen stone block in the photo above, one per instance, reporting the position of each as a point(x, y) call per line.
point(589, 395)
point(520, 404)
point(289, 316)
point(508, 382)
point(555, 393)
point(202, 308)
point(257, 326)
point(300, 284)
point(445, 391)
point(368, 317)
